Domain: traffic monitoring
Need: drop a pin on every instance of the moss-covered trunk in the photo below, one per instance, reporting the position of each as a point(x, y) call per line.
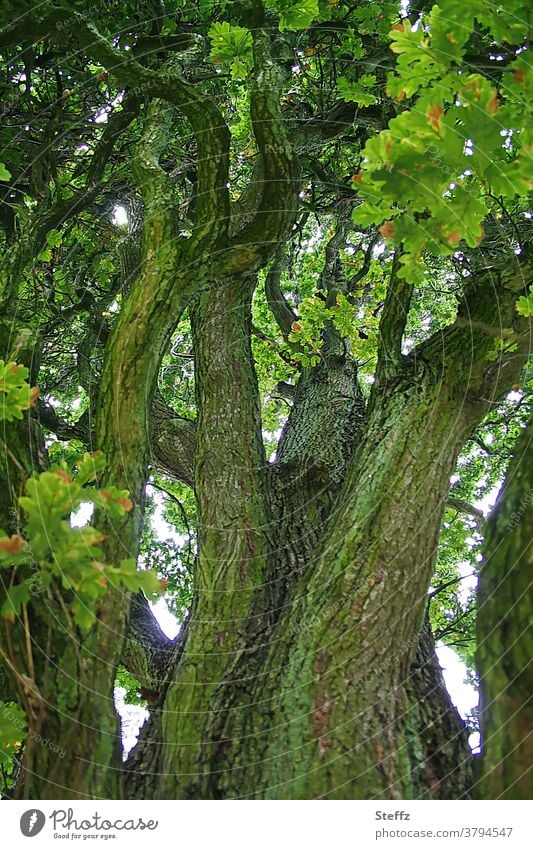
point(316, 677)
point(505, 635)
point(232, 531)
point(311, 691)
point(330, 707)
point(324, 701)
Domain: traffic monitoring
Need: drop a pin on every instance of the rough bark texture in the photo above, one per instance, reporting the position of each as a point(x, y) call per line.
point(505, 635)
point(437, 737)
point(169, 271)
point(306, 668)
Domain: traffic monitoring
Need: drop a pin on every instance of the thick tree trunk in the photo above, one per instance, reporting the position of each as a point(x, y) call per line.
point(333, 683)
point(505, 635)
point(232, 523)
point(325, 689)
point(318, 693)
point(437, 738)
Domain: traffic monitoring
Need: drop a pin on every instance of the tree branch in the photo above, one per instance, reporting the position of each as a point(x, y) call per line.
point(276, 214)
point(147, 650)
point(49, 419)
point(173, 442)
point(210, 130)
point(363, 271)
point(118, 121)
point(392, 324)
point(463, 353)
point(172, 438)
point(340, 118)
point(467, 508)
point(444, 586)
point(277, 302)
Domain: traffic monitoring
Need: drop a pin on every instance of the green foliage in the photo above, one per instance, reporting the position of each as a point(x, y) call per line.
point(306, 332)
point(429, 179)
point(345, 316)
point(13, 729)
point(452, 597)
point(171, 557)
point(359, 92)
point(132, 687)
point(294, 14)
point(16, 395)
point(231, 46)
point(53, 553)
point(524, 304)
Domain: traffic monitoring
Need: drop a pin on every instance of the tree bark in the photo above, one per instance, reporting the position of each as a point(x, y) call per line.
point(505, 635)
point(232, 522)
point(325, 689)
point(437, 737)
point(306, 668)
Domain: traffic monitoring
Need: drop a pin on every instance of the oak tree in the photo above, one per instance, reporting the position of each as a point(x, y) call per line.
point(268, 265)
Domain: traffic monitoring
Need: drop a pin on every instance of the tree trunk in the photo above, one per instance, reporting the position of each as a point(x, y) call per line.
point(326, 682)
point(306, 668)
point(437, 737)
point(334, 690)
point(232, 519)
point(505, 635)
